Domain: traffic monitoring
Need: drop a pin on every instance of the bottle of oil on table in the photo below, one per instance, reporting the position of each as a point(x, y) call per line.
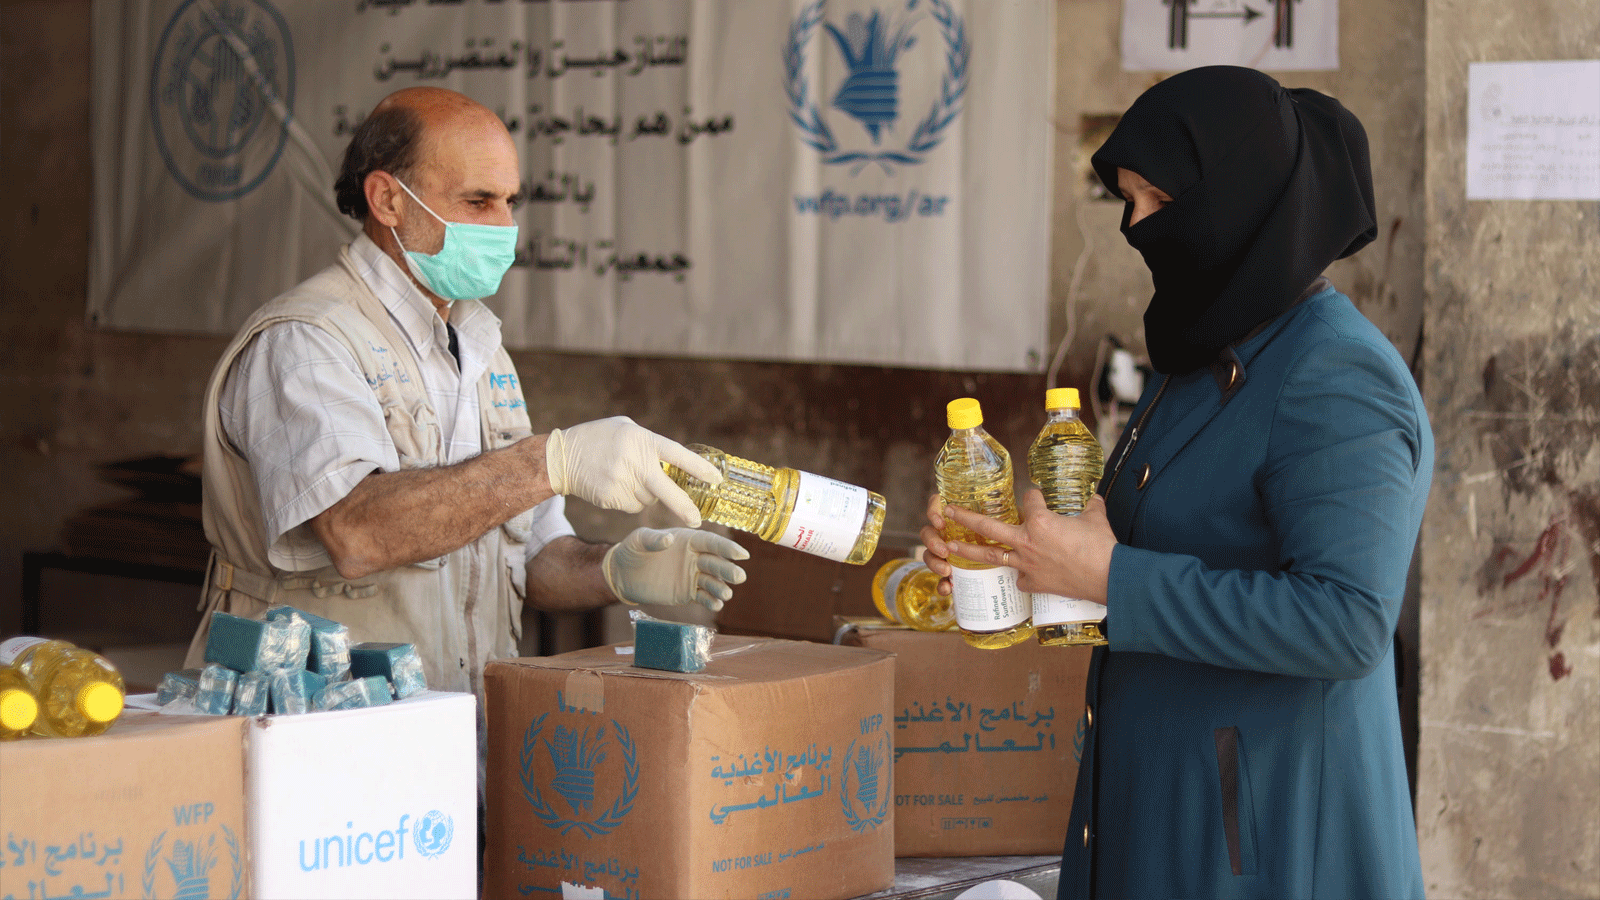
point(973, 471)
point(905, 590)
point(788, 507)
point(79, 692)
point(1065, 461)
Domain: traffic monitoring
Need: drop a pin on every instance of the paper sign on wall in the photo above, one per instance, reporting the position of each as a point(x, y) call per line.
point(1533, 130)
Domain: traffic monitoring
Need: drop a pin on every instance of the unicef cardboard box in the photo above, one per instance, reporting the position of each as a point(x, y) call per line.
point(376, 802)
point(767, 774)
point(986, 742)
point(152, 808)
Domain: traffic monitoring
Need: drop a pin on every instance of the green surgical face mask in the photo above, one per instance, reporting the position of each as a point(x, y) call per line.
point(470, 264)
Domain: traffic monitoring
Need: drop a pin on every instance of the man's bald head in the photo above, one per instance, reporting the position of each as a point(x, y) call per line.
point(400, 136)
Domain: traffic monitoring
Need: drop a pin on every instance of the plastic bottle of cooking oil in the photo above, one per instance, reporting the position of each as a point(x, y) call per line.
point(788, 507)
point(907, 591)
point(1065, 461)
point(18, 708)
point(974, 472)
point(79, 691)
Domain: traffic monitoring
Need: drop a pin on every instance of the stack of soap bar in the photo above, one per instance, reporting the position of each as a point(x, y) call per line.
point(372, 690)
point(180, 685)
point(254, 645)
point(214, 691)
point(252, 693)
point(670, 646)
point(293, 690)
point(330, 642)
point(398, 664)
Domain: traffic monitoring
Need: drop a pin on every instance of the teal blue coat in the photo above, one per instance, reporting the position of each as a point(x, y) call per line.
point(1243, 731)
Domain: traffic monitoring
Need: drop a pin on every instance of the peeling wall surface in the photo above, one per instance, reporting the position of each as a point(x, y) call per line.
point(1508, 798)
point(1508, 778)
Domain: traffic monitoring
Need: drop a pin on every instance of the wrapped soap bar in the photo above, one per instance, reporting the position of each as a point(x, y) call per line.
point(256, 645)
point(670, 646)
point(399, 664)
point(179, 685)
point(214, 690)
point(372, 690)
point(330, 642)
point(252, 693)
point(293, 690)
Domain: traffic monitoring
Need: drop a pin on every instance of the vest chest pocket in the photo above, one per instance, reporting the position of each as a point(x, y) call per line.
point(415, 432)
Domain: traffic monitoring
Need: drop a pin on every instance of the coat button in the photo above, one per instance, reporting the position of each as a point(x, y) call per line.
point(1088, 716)
point(1144, 477)
point(1233, 375)
point(1086, 835)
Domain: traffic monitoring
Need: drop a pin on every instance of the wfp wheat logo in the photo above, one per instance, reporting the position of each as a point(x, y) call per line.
point(567, 761)
point(189, 860)
point(869, 113)
point(864, 788)
point(221, 94)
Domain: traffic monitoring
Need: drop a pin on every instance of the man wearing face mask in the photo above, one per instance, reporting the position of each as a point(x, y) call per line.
point(369, 456)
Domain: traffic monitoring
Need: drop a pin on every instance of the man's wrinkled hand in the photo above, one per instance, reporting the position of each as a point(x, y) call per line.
point(674, 567)
point(616, 464)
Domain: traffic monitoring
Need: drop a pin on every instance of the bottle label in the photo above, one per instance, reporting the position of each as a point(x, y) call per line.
point(827, 517)
point(1054, 609)
point(988, 599)
point(891, 587)
point(11, 648)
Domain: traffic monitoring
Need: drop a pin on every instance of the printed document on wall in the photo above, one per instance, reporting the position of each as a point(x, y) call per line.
point(1533, 130)
point(1276, 35)
point(854, 181)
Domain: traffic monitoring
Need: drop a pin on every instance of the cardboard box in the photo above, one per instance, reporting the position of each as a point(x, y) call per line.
point(767, 774)
point(154, 807)
point(789, 594)
point(375, 802)
point(986, 742)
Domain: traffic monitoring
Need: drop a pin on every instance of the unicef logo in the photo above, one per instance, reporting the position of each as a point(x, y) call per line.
point(221, 91)
point(567, 762)
point(872, 46)
point(433, 833)
point(864, 788)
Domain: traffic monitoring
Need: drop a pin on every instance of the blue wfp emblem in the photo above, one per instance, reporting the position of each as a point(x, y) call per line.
point(572, 758)
point(220, 67)
point(872, 46)
point(866, 770)
point(189, 866)
point(433, 833)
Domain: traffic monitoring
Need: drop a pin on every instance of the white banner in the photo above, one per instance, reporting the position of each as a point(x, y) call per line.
point(817, 180)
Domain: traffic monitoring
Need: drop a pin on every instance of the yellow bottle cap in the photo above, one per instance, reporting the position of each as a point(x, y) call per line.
point(18, 709)
point(1061, 398)
point(964, 413)
point(100, 702)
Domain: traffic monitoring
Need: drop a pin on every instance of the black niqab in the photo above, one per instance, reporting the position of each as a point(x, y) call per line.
point(1268, 187)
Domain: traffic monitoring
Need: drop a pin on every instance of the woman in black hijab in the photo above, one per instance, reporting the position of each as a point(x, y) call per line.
point(1242, 734)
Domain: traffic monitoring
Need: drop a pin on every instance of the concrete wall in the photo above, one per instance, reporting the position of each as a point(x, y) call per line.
point(1508, 803)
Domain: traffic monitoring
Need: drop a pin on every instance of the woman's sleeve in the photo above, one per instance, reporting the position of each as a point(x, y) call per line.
point(1342, 488)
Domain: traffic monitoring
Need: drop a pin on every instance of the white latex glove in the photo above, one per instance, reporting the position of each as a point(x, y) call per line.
point(673, 567)
point(616, 464)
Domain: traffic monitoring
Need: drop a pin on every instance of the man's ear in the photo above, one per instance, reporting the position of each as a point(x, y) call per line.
point(383, 198)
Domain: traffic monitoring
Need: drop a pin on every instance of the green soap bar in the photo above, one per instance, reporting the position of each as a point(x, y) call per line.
point(329, 652)
point(294, 689)
point(251, 694)
point(398, 663)
point(181, 684)
point(214, 695)
point(670, 646)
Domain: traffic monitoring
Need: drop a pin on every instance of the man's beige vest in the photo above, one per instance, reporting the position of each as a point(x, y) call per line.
point(460, 610)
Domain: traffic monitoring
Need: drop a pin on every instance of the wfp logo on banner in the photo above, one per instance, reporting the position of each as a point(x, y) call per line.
point(221, 94)
point(873, 97)
point(567, 762)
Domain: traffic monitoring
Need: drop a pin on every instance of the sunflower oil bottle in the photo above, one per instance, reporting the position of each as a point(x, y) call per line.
point(807, 512)
point(1065, 461)
point(907, 591)
point(79, 691)
point(973, 472)
point(18, 708)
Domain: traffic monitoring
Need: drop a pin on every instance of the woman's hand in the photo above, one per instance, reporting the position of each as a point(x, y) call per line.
point(1065, 555)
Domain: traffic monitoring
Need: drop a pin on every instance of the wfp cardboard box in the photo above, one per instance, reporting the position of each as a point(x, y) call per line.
point(986, 742)
point(795, 595)
point(152, 808)
point(765, 775)
point(376, 802)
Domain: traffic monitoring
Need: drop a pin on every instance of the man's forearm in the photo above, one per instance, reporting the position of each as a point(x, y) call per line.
point(565, 576)
point(392, 519)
